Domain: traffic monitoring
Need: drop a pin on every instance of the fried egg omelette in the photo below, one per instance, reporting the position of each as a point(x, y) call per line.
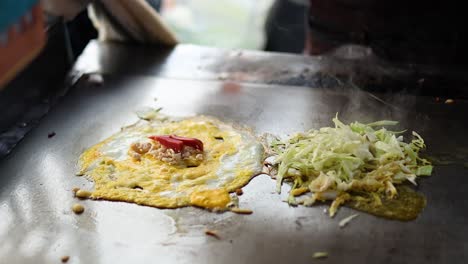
point(124, 168)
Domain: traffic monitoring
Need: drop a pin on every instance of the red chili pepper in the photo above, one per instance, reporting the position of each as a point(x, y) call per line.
point(168, 142)
point(177, 143)
point(191, 142)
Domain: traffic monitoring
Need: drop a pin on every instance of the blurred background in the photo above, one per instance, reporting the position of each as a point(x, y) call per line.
point(418, 47)
point(271, 25)
point(224, 23)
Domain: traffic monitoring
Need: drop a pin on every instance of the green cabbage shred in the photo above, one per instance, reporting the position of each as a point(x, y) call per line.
point(333, 163)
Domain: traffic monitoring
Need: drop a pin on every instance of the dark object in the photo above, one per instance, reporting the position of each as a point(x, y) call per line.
point(51, 135)
point(156, 4)
point(81, 31)
point(416, 31)
point(285, 27)
point(26, 99)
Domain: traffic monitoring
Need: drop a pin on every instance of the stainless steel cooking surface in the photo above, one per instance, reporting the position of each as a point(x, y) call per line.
point(38, 226)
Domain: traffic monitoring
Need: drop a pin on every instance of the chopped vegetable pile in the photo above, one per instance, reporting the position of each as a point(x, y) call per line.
point(348, 162)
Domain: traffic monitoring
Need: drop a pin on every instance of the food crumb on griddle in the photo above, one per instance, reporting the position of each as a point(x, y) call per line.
point(78, 208)
point(65, 259)
point(241, 210)
point(239, 192)
point(213, 234)
point(82, 194)
point(51, 134)
point(449, 101)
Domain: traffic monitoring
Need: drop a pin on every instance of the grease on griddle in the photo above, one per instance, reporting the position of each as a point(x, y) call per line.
point(405, 207)
point(456, 157)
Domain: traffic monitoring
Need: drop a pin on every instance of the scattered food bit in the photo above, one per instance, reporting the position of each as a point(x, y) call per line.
point(241, 211)
point(346, 220)
point(51, 134)
point(268, 170)
point(449, 101)
point(319, 255)
point(239, 192)
point(65, 259)
point(213, 234)
point(78, 208)
point(75, 189)
point(148, 113)
point(234, 202)
point(82, 194)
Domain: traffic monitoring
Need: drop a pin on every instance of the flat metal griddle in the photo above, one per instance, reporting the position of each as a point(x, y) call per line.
point(38, 226)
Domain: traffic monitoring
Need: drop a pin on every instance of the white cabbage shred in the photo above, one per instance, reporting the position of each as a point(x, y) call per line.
point(346, 220)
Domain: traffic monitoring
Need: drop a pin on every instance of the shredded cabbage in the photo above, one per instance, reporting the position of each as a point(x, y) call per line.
point(346, 220)
point(319, 255)
point(334, 162)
